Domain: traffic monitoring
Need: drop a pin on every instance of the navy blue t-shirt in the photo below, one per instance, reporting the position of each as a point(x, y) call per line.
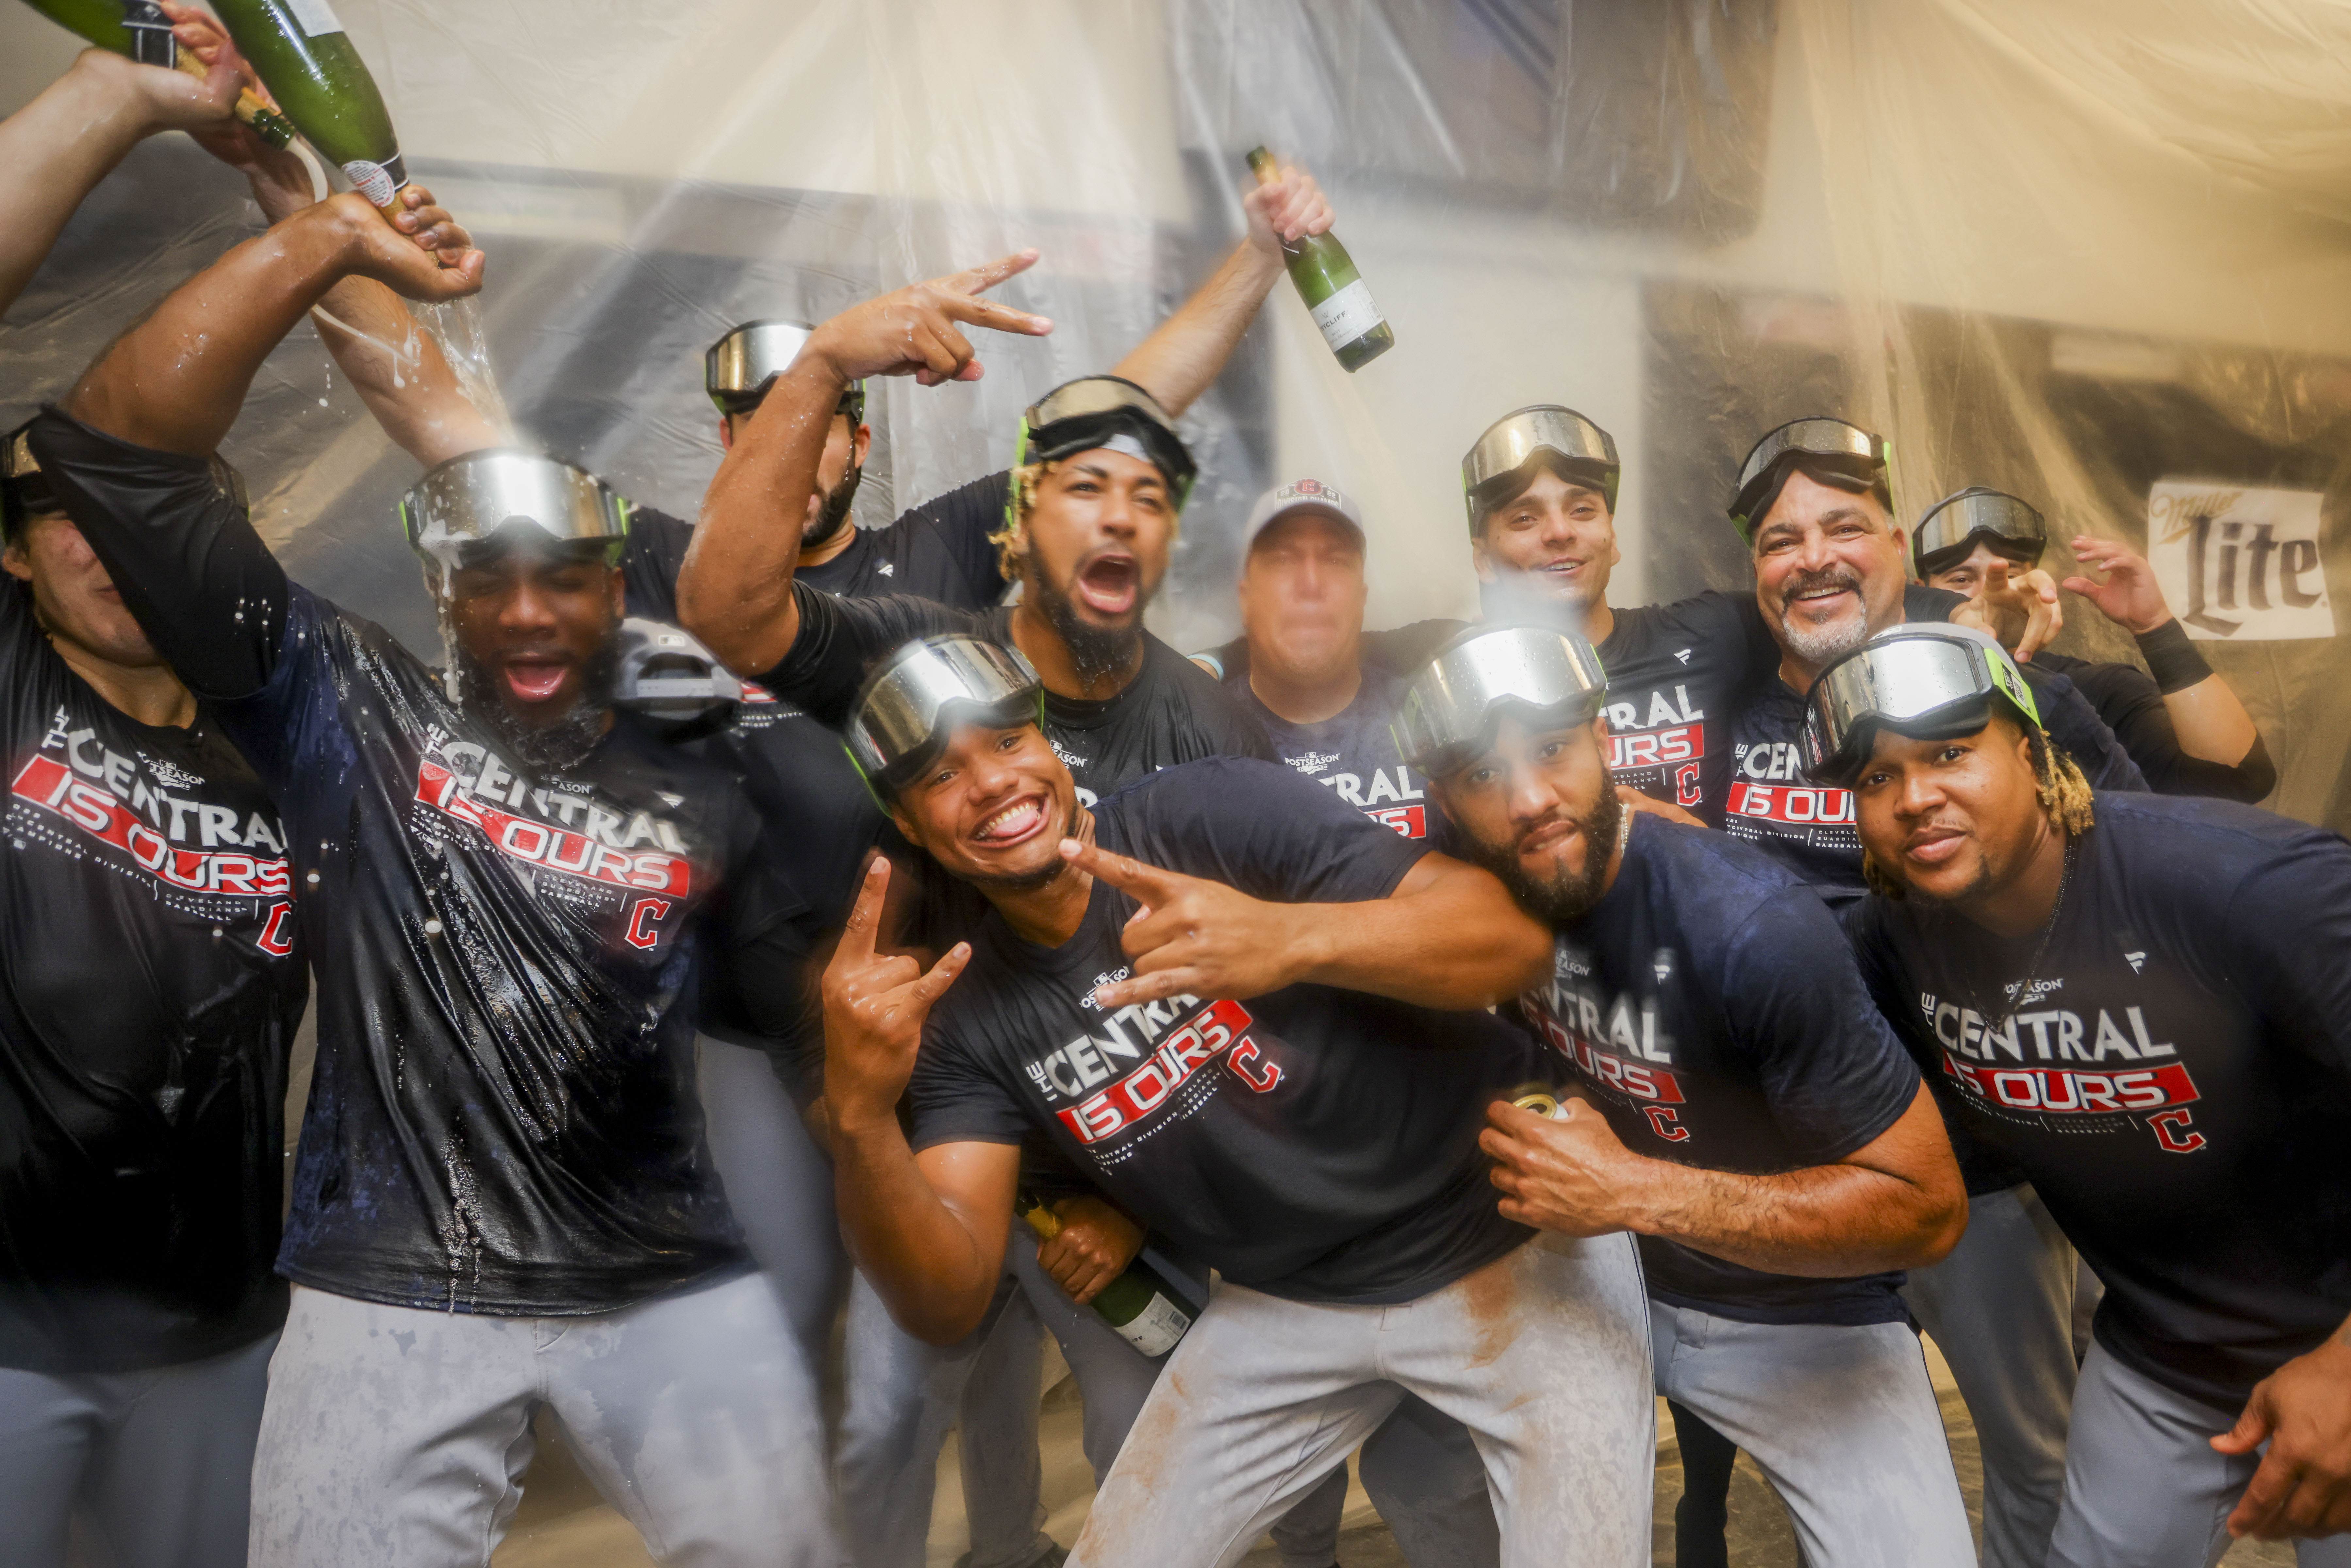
point(2178, 1085)
point(1711, 1006)
point(1318, 1144)
point(1811, 830)
point(1352, 753)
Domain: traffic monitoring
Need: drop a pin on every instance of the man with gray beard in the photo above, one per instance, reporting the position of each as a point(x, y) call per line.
point(1817, 511)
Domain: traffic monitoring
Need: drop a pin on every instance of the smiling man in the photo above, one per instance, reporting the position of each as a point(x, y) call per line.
point(2144, 1001)
point(1740, 1106)
point(502, 1202)
point(1202, 992)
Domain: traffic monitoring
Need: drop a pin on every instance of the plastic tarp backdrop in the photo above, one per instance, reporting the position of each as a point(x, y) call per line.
point(2088, 251)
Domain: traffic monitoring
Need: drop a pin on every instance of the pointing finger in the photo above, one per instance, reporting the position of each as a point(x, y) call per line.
point(988, 274)
point(933, 985)
point(1146, 883)
point(865, 914)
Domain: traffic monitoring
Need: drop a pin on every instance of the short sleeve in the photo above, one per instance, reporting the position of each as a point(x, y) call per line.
point(839, 640)
point(649, 567)
point(1264, 829)
point(954, 1098)
point(2290, 924)
point(1831, 1070)
point(963, 519)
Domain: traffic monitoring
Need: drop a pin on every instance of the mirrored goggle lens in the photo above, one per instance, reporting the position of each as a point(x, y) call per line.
point(905, 708)
point(1893, 682)
point(743, 362)
point(1449, 712)
point(470, 498)
point(1825, 438)
point(1513, 440)
point(1956, 520)
point(1096, 395)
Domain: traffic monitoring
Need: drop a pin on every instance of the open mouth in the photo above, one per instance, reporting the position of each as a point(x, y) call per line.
point(1819, 598)
point(535, 680)
point(1109, 584)
point(1022, 820)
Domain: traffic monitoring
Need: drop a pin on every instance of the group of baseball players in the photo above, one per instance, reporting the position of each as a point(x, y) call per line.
point(770, 974)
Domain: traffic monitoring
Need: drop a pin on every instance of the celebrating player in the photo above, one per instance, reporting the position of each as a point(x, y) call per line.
point(501, 1201)
point(2141, 1000)
point(1741, 1107)
point(1221, 1051)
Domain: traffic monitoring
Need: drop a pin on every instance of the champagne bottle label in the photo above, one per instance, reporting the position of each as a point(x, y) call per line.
point(315, 18)
point(151, 43)
point(1154, 1330)
point(1347, 314)
point(379, 183)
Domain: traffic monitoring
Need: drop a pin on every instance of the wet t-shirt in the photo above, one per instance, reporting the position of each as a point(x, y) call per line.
point(154, 979)
point(1811, 830)
point(1172, 711)
point(2176, 1083)
point(1352, 753)
point(504, 1116)
point(1709, 1004)
point(1315, 1143)
point(938, 550)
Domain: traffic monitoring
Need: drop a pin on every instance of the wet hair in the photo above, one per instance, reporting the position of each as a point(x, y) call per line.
point(2057, 779)
point(1012, 535)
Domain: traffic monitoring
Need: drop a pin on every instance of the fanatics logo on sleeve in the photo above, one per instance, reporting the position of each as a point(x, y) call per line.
point(887, 569)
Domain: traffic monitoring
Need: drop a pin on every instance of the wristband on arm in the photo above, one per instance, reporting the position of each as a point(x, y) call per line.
point(2172, 658)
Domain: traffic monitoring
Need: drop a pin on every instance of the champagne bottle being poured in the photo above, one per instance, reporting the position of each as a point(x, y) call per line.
point(1148, 1312)
point(1335, 293)
point(140, 29)
point(301, 53)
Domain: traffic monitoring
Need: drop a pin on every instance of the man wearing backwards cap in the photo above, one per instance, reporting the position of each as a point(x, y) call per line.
point(152, 978)
point(2144, 1002)
point(1190, 1047)
point(1740, 1106)
point(2180, 723)
point(501, 1200)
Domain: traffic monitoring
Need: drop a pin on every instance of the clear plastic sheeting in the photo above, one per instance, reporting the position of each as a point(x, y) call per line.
point(2087, 251)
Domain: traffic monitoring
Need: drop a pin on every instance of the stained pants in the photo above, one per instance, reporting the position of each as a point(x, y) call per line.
point(1541, 1354)
point(394, 1438)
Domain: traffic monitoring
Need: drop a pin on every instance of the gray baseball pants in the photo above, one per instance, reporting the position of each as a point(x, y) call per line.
point(397, 1438)
point(2001, 1309)
point(157, 1464)
point(1541, 1354)
point(2143, 1487)
point(779, 1184)
point(1842, 1421)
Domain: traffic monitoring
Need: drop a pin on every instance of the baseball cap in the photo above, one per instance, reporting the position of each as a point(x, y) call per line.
point(1299, 496)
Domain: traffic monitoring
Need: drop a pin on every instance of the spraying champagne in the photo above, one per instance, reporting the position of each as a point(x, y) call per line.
point(1335, 293)
point(300, 51)
point(139, 29)
point(1148, 1312)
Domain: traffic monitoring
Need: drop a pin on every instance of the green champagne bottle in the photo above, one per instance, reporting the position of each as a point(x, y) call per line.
point(1147, 1311)
point(140, 29)
point(1335, 293)
point(299, 48)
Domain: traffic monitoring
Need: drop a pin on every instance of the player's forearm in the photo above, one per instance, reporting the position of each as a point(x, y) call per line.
point(1822, 1222)
point(176, 381)
point(1187, 351)
point(53, 153)
point(734, 591)
point(401, 375)
point(2210, 722)
point(1456, 941)
point(918, 1254)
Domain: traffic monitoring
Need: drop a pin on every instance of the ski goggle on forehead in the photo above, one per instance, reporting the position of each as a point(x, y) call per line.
point(1452, 709)
point(1829, 445)
point(1928, 683)
point(1955, 525)
point(909, 709)
point(738, 369)
point(473, 508)
point(1498, 464)
point(1106, 412)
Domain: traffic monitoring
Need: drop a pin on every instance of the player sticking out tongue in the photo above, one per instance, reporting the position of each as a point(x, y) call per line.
point(522, 555)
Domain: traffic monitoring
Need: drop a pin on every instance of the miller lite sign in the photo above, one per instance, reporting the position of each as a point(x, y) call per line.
point(2237, 564)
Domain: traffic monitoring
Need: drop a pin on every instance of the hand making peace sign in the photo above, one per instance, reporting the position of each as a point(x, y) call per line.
point(914, 330)
point(875, 1004)
point(1192, 936)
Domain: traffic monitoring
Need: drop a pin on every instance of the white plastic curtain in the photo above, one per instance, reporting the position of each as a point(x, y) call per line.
point(2090, 251)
